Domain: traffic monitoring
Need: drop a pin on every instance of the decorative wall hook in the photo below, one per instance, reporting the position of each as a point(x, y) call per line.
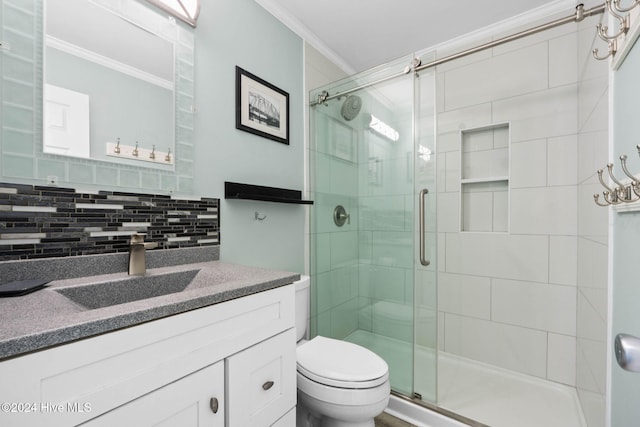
point(619, 8)
point(623, 192)
point(616, 10)
point(604, 29)
point(611, 50)
point(623, 22)
point(623, 162)
point(613, 178)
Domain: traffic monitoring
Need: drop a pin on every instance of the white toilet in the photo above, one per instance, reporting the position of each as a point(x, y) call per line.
point(340, 384)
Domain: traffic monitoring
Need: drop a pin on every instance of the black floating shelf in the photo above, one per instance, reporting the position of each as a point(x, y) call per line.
point(234, 190)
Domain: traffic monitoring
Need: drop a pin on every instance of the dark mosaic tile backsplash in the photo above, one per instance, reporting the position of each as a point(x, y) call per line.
point(39, 222)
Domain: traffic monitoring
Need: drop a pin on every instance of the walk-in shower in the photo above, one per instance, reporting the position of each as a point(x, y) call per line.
point(448, 234)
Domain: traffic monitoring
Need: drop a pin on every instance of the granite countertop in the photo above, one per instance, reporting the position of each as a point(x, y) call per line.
point(47, 318)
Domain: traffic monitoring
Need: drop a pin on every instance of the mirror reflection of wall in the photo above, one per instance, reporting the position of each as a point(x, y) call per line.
point(22, 158)
point(106, 78)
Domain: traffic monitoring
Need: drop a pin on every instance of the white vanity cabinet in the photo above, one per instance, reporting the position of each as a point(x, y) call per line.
point(193, 401)
point(230, 364)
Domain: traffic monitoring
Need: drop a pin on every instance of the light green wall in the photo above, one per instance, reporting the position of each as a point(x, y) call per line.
point(626, 234)
point(240, 32)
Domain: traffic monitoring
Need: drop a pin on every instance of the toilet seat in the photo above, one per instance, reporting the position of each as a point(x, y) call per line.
point(341, 364)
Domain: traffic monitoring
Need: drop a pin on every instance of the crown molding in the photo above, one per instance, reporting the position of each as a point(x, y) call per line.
point(305, 33)
point(550, 10)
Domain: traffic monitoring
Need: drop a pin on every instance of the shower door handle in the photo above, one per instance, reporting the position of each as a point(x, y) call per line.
point(423, 260)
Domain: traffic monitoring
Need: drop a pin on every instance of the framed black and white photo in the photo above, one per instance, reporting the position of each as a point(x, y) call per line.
point(261, 108)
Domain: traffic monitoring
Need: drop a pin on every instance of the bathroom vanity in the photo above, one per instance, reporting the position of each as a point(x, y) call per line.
point(219, 352)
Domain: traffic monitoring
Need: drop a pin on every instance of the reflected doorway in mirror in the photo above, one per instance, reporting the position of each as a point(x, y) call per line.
point(66, 119)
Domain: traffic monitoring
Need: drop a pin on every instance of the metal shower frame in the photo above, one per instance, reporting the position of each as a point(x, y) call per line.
point(417, 66)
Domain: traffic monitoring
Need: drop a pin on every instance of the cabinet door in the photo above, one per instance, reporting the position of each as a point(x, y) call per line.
point(261, 382)
point(188, 402)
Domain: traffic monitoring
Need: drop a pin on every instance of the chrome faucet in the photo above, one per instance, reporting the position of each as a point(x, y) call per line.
point(137, 254)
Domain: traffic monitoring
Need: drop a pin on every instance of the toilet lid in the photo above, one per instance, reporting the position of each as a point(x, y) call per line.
point(341, 364)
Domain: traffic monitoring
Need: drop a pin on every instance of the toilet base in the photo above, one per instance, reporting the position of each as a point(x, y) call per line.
point(305, 419)
point(328, 422)
point(314, 415)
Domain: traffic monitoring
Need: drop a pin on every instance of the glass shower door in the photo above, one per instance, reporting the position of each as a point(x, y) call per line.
point(364, 223)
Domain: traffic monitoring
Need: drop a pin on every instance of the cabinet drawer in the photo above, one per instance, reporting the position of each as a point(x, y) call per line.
point(262, 382)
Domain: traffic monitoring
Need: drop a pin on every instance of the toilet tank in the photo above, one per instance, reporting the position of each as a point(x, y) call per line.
point(303, 292)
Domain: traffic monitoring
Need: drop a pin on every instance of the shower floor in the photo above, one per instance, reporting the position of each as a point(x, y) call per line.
point(489, 395)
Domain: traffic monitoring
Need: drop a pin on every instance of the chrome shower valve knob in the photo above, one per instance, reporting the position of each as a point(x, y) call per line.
point(340, 216)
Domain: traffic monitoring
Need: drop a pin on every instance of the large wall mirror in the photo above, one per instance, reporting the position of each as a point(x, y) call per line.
point(98, 93)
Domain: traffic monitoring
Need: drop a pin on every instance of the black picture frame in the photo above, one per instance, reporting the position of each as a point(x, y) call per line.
point(261, 108)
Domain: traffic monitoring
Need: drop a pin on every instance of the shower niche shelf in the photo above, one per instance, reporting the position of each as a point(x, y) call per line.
point(484, 178)
point(235, 190)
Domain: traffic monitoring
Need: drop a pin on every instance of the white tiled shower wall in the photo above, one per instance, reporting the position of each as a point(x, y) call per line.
point(532, 299)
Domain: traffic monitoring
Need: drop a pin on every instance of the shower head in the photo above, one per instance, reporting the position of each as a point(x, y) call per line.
point(351, 107)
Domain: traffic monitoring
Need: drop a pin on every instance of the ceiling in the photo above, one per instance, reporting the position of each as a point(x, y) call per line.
point(361, 34)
